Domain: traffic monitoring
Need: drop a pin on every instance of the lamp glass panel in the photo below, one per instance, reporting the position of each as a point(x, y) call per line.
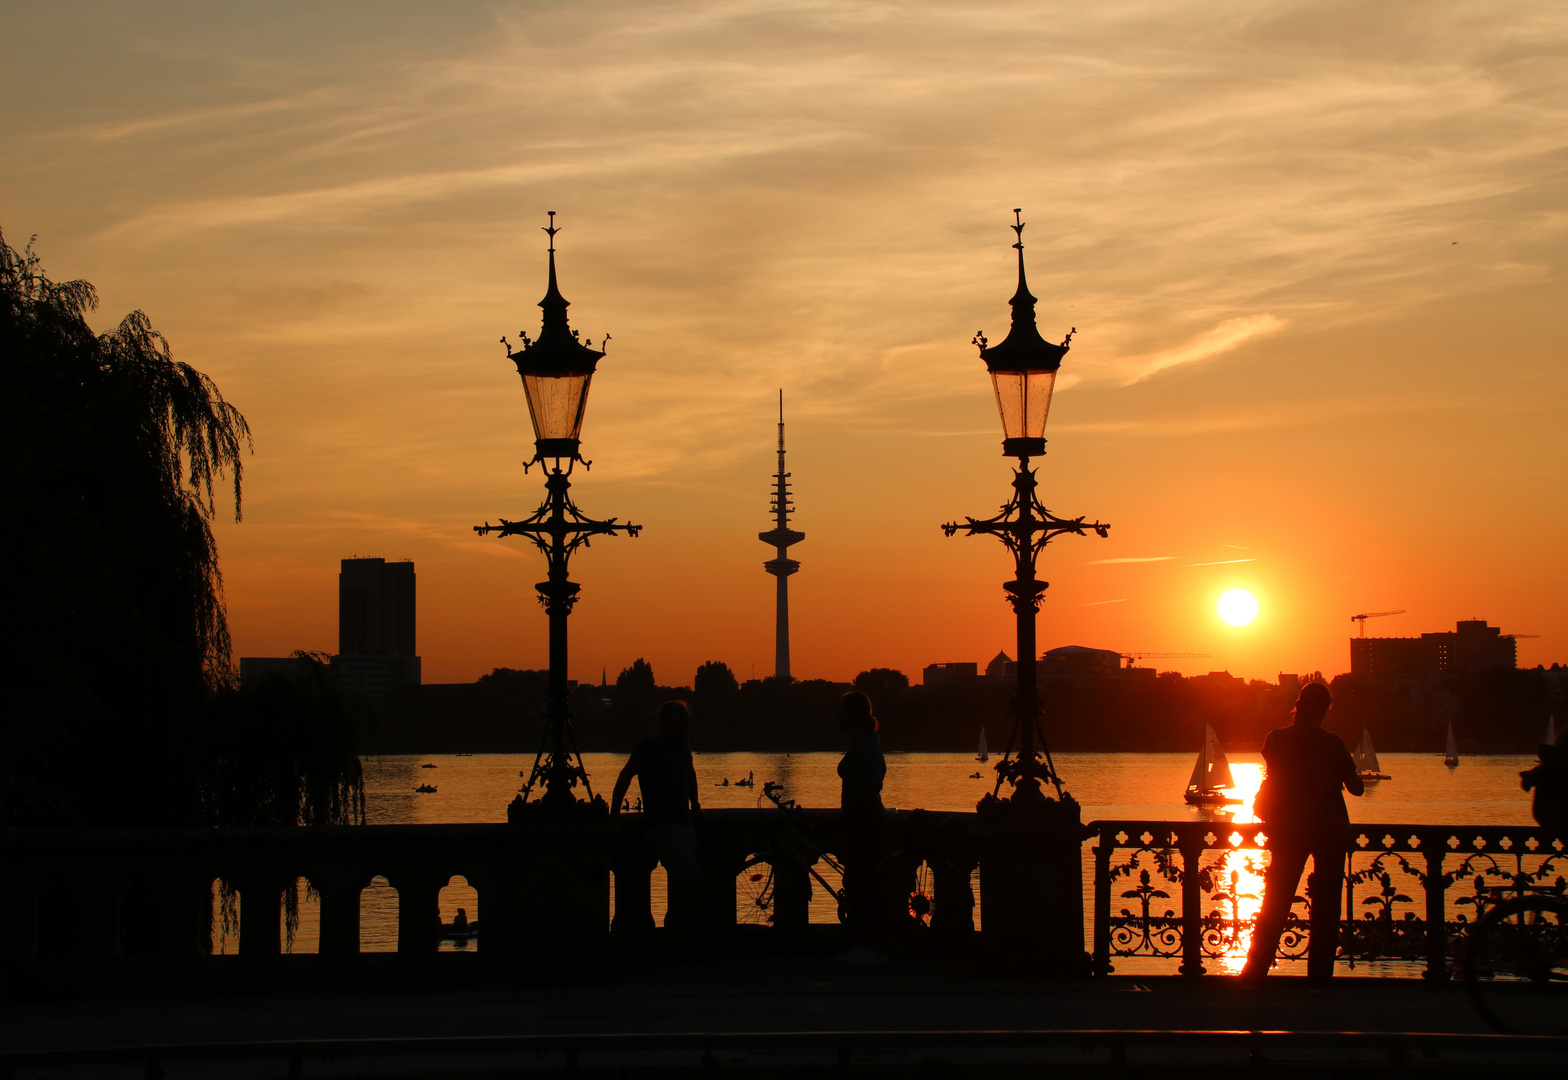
point(1023, 398)
point(556, 404)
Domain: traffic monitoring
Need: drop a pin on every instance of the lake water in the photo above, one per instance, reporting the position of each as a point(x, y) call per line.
point(477, 788)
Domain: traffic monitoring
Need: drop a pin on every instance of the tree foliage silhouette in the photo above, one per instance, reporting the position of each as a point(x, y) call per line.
point(635, 691)
point(714, 689)
point(882, 685)
point(111, 456)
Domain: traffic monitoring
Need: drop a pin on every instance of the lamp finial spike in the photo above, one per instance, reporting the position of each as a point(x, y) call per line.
point(554, 303)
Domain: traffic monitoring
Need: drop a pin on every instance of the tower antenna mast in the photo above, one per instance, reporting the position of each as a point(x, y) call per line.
point(781, 566)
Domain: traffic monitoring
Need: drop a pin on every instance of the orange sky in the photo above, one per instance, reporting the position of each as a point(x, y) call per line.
point(1314, 253)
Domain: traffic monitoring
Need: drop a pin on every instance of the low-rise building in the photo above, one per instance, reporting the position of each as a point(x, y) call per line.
point(938, 674)
point(1470, 647)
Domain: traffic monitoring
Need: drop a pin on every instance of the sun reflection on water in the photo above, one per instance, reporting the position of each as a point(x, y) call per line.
point(1239, 885)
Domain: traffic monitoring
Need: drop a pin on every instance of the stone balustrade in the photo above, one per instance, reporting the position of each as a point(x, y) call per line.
point(144, 898)
point(1172, 894)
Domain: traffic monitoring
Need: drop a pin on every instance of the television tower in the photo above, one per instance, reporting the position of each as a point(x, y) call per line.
point(781, 537)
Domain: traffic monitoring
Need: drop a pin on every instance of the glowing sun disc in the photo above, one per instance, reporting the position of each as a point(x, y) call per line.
point(1238, 607)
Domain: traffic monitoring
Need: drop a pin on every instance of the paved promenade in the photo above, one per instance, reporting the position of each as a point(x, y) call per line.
point(777, 995)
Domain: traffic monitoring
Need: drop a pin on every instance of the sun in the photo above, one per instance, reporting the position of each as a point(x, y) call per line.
point(1238, 607)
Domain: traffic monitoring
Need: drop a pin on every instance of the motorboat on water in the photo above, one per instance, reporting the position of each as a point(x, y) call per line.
point(426, 789)
point(1210, 775)
point(1365, 757)
point(1450, 748)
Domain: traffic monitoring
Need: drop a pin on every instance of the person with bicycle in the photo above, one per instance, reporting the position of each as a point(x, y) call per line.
point(1307, 768)
point(663, 767)
point(862, 772)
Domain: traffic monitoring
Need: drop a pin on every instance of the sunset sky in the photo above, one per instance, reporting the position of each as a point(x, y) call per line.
point(1314, 253)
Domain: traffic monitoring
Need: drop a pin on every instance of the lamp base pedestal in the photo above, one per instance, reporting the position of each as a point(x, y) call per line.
point(1031, 883)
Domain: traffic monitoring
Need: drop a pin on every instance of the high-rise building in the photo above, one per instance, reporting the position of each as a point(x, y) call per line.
point(781, 536)
point(376, 625)
point(1470, 647)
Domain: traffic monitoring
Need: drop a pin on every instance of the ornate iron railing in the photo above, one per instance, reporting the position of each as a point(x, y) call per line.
point(1189, 891)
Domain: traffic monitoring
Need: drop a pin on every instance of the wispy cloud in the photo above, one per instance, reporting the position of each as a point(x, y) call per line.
point(1131, 559)
point(1222, 562)
point(1097, 603)
point(1228, 335)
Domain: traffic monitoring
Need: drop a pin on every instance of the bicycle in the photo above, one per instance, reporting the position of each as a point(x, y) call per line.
point(1516, 963)
point(911, 923)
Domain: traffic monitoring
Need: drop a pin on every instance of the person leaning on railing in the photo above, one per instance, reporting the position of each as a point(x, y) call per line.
point(663, 768)
point(1301, 803)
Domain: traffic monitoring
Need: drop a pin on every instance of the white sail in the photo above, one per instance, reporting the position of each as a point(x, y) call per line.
point(1358, 755)
point(983, 755)
point(1551, 730)
point(1219, 766)
point(1451, 748)
point(1368, 753)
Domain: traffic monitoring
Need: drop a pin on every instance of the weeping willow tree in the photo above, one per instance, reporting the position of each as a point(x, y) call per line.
point(112, 459)
point(280, 751)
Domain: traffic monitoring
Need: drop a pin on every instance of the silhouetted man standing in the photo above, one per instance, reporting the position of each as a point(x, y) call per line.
point(663, 767)
point(862, 771)
point(1307, 767)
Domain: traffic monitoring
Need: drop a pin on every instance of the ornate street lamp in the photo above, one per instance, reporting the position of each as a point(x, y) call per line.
point(1023, 372)
point(556, 370)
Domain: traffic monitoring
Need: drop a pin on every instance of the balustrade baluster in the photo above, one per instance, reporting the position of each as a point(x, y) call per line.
point(1350, 905)
point(633, 870)
point(1190, 844)
point(1435, 846)
point(261, 924)
point(1102, 902)
point(951, 897)
point(792, 893)
point(418, 913)
point(339, 915)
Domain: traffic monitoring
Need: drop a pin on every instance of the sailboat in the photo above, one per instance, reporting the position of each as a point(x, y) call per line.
point(982, 755)
point(1551, 730)
point(1210, 775)
point(1366, 759)
point(1451, 748)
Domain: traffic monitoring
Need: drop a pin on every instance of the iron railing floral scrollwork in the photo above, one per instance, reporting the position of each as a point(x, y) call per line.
point(1191, 890)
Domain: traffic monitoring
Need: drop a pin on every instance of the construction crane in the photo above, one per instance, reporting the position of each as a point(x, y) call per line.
point(1133, 657)
point(1361, 620)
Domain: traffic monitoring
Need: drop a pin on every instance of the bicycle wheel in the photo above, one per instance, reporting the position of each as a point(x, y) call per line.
point(915, 924)
point(1516, 966)
point(756, 928)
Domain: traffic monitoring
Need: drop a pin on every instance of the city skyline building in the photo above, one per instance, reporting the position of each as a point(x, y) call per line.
point(1470, 647)
point(376, 624)
point(781, 566)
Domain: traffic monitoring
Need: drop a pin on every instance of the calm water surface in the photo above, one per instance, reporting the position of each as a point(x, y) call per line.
point(1423, 791)
point(477, 788)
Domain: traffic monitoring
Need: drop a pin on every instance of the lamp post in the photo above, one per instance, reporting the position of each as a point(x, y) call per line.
point(556, 370)
point(1023, 371)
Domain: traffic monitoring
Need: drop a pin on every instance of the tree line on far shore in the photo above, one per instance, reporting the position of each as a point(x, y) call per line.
point(1500, 711)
